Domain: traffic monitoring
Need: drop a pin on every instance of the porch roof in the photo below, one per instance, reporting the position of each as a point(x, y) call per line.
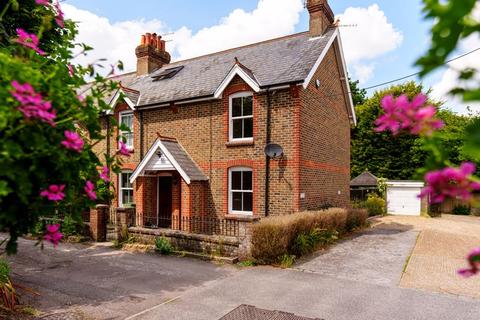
point(177, 156)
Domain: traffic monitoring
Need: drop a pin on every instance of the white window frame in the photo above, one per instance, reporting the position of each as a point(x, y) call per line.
point(231, 118)
point(121, 189)
point(230, 191)
point(120, 116)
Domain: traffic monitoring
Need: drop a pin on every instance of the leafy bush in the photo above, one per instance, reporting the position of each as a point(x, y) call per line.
point(274, 237)
point(287, 260)
point(8, 294)
point(69, 226)
point(375, 205)
point(306, 243)
point(356, 218)
point(163, 246)
point(461, 210)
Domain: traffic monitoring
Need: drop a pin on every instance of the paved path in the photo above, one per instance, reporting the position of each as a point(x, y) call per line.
point(375, 256)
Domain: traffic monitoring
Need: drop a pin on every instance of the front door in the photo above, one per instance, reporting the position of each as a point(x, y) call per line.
point(164, 202)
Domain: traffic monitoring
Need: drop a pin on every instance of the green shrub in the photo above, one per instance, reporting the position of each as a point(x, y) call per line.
point(163, 246)
point(287, 260)
point(274, 237)
point(461, 210)
point(306, 243)
point(356, 218)
point(4, 271)
point(69, 226)
point(375, 205)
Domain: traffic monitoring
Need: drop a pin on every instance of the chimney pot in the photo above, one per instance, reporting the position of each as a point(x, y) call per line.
point(151, 54)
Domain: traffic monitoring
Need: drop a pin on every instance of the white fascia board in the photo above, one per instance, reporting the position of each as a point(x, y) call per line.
point(158, 144)
point(345, 72)
point(114, 101)
point(400, 183)
point(319, 60)
point(236, 70)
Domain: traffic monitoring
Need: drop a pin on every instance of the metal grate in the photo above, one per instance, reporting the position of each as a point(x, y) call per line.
point(246, 312)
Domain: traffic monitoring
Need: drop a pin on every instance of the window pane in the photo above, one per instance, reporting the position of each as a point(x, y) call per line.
point(236, 107)
point(127, 196)
point(237, 201)
point(126, 180)
point(127, 120)
point(248, 128)
point(247, 106)
point(247, 180)
point(237, 129)
point(129, 137)
point(236, 180)
point(247, 201)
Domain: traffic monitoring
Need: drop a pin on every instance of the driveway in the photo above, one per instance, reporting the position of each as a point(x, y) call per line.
point(359, 278)
point(104, 283)
point(375, 256)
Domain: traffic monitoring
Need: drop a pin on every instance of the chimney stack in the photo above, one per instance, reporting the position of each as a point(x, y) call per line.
point(151, 54)
point(321, 16)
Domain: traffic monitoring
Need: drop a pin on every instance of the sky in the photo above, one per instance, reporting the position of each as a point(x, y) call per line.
point(381, 39)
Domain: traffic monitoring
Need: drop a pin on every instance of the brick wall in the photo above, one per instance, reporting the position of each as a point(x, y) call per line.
point(324, 139)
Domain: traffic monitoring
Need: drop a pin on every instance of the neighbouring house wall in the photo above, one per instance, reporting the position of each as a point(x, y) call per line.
point(324, 139)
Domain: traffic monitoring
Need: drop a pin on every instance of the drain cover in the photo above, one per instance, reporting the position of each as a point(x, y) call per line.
point(246, 312)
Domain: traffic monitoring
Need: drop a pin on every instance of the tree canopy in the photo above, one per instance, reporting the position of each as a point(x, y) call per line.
point(401, 156)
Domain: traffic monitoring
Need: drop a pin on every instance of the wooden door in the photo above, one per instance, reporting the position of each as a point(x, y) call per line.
point(164, 202)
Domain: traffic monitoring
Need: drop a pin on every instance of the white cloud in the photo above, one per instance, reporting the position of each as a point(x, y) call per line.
point(271, 18)
point(112, 41)
point(449, 79)
point(371, 37)
point(117, 41)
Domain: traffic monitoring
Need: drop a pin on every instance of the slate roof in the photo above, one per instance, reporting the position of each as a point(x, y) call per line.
point(273, 62)
point(366, 179)
point(184, 160)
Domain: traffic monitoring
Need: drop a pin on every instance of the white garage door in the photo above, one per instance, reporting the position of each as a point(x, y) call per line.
point(403, 201)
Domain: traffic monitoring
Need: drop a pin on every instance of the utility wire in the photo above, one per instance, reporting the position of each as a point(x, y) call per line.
point(417, 73)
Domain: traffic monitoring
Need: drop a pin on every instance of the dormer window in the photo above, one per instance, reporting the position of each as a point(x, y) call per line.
point(241, 117)
point(126, 119)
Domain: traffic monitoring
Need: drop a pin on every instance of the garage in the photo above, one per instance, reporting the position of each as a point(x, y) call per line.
point(402, 197)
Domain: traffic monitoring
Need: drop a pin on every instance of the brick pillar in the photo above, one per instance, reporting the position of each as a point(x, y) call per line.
point(98, 223)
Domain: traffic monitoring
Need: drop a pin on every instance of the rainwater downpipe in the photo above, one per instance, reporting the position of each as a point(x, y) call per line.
point(267, 158)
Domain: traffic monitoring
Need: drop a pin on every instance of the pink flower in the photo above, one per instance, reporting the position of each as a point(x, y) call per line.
point(32, 104)
point(73, 141)
point(53, 234)
point(54, 192)
point(400, 114)
point(123, 149)
point(59, 17)
point(29, 40)
point(104, 174)
point(474, 262)
point(450, 183)
point(90, 190)
point(43, 2)
point(71, 71)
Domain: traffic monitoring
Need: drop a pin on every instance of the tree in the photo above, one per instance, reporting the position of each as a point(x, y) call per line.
point(401, 156)
point(46, 129)
point(359, 95)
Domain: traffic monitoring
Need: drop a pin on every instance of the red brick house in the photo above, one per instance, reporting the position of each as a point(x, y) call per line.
point(199, 128)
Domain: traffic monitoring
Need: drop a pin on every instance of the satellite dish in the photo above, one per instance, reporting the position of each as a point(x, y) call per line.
point(273, 150)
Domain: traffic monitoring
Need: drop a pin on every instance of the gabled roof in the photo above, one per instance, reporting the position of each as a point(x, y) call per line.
point(178, 158)
point(276, 62)
point(366, 179)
